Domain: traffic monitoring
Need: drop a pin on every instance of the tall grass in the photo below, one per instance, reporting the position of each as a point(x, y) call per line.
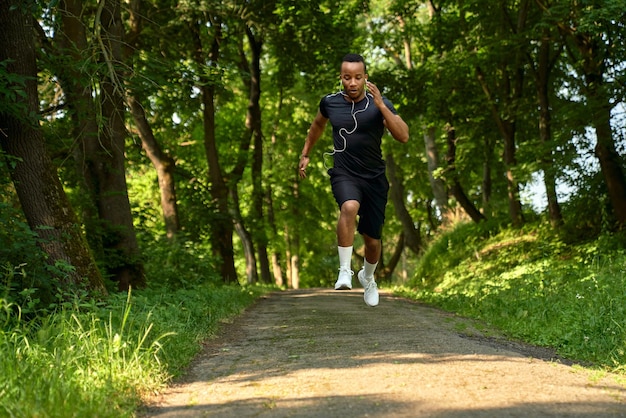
point(534, 287)
point(74, 363)
point(98, 360)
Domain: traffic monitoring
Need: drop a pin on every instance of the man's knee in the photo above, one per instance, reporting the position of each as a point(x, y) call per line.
point(350, 208)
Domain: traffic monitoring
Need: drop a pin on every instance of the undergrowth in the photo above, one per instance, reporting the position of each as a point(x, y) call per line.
point(90, 359)
point(533, 286)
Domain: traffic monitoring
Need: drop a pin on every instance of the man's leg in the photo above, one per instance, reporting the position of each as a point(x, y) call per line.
point(370, 227)
point(346, 226)
point(373, 249)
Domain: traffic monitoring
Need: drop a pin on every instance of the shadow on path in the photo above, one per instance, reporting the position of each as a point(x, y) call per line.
point(323, 353)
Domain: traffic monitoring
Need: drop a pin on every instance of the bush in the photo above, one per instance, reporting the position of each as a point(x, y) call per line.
point(532, 286)
point(25, 278)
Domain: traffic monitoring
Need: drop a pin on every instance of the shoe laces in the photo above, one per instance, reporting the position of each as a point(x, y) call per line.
point(371, 285)
point(347, 270)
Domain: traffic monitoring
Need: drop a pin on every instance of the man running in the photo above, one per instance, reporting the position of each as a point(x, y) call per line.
point(359, 115)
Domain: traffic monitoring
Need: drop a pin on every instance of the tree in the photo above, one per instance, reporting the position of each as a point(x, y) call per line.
point(541, 69)
point(252, 79)
point(163, 162)
point(41, 194)
point(222, 229)
point(456, 188)
point(594, 40)
point(504, 93)
point(99, 129)
point(106, 159)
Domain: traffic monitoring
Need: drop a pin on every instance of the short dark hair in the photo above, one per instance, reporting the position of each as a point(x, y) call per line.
point(355, 58)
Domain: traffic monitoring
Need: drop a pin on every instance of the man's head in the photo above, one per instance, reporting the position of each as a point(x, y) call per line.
point(355, 58)
point(353, 76)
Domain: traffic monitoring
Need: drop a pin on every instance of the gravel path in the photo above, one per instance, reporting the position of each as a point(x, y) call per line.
point(324, 353)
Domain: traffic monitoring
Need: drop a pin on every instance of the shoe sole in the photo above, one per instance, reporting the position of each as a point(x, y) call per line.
point(343, 287)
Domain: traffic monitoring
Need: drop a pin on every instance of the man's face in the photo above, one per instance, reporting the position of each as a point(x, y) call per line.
point(353, 79)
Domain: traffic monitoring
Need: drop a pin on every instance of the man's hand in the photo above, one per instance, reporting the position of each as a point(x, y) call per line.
point(378, 97)
point(394, 123)
point(304, 162)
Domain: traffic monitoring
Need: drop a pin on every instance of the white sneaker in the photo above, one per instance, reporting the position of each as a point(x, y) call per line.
point(344, 280)
point(371, 289)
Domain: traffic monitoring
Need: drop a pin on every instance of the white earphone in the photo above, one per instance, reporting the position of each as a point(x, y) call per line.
point(344, 130)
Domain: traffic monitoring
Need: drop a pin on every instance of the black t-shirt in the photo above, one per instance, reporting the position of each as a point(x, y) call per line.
point(357, 133)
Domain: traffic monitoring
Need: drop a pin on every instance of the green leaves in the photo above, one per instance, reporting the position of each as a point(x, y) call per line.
point(12, 91)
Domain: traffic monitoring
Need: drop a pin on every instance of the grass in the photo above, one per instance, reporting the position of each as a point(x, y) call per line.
point(534, 287)
point(99, 360)
point(95, 359)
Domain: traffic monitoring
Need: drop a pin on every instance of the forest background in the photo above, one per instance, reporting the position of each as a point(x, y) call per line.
point(153, 146)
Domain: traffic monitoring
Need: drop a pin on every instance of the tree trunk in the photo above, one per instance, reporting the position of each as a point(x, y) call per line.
point(289, 266)
point(511, 91)
point(610, 162)
point(275, 257)
point(253, 125)
point(295, 271)
point(515, 205)
point(593, 58)
point(437, 185)
point(100, 154)
point(507, 130)
point(412, 237)
point(39, 189)
point(387, 271)
point(293, 259)
point(542, 80)
point(293, 241)
point(456, 189)
point(106, 159)
point(246, 240)
point(605, 150)
point(163, 163)
point(71, 41)
point(278, 274)
point(221, 229)
point(486, 184)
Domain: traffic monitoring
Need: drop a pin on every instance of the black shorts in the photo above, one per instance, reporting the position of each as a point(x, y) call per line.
point(370, 193)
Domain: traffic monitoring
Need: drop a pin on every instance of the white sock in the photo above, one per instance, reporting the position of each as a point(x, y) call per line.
point(369, 269)
point(345, 257)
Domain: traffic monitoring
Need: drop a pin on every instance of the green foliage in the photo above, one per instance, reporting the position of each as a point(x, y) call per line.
point(12, 92)
point(76, 363)
point(179, 263)
point(587, 212)
point(533, 286)
point(450, 248)
point(25, 277)
point(99, 359)
point(190, 315)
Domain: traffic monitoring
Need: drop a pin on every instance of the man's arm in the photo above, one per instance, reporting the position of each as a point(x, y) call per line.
point(394, 123)
point(397, 127)
point(315, 132)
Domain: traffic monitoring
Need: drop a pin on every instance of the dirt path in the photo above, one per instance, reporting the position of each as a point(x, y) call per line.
point(323, 353)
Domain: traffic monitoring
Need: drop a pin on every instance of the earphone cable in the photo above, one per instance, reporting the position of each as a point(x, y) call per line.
point(356, 124)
